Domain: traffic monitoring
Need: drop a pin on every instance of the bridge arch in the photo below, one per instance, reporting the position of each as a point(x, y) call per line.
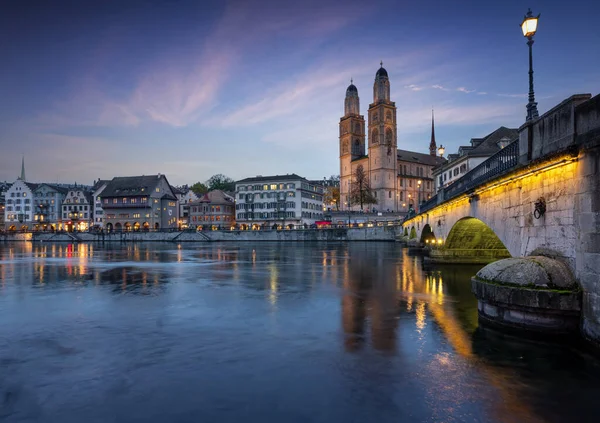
point(427, 234)
point(413, 233)
point(472, 233)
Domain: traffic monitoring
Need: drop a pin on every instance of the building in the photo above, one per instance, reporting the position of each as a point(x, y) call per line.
point(390, 171)
point(4, 186)
point(135, 203)
point(185, 196)
point(215, 210)
point(77, 210)
point(468, 157)
point(18, 212)
point(97, 189)
point(47, 203)
point(280, 201)
point(331, 192)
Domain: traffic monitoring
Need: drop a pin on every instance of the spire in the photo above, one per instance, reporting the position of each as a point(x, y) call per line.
point(432, 145)
point(23, 169)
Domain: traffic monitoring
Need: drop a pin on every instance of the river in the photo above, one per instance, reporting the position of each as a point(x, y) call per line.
point(266, 332)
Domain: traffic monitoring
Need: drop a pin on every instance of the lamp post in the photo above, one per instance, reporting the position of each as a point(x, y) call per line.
point(529, 28)
point(420, 200)
point(441, 150)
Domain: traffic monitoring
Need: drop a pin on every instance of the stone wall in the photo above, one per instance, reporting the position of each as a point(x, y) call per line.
point(377, 233)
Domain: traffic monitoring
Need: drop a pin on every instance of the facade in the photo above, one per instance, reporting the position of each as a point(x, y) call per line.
point(469, 157)
point(19, 210)
point(215, 210)
point(133, 203)
point(77, 210)
point(381, 159)
point(185, 196)
point(47, 203)
point(4, 186)
point(280, 201)
point(97, 189)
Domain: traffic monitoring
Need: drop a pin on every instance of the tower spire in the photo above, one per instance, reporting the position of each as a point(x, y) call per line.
point(432, 145)
point(23, 169)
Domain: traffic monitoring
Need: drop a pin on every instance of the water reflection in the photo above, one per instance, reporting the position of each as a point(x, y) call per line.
point(358, 331)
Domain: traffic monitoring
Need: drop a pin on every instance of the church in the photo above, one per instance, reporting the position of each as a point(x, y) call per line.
point(400, 179)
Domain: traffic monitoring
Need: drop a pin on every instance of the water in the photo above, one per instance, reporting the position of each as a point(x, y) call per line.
point(359, 332)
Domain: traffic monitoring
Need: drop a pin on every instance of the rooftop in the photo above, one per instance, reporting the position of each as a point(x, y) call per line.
point(273, 178)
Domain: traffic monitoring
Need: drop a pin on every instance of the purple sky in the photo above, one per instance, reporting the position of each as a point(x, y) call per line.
point(95, 89)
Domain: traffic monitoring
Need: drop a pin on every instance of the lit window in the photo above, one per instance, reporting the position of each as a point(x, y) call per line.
point(157, 189)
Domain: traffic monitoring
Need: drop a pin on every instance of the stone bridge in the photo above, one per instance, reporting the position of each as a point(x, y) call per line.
point(539, 195)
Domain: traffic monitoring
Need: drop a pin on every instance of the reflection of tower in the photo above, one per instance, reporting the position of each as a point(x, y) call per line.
point(354, 312)
point(383, 316)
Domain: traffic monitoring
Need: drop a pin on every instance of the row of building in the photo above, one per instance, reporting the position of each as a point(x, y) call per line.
point(142, 203)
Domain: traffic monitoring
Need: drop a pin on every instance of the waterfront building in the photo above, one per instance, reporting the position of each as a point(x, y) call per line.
point(77, 210)
point(3, 188)
point(281, 201)
point(393, 174)
point(97, 189)
point(215, 210)
point(133, 203)
point(47, 207)
point(470, 156)
point(18, 212)
point(185, 196)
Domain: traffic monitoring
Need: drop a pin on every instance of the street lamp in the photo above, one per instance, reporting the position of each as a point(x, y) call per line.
point(441, 150)
point(529, 27)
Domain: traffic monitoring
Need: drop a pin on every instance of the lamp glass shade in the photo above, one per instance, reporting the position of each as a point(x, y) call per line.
point(529, 26)
point(441, 151)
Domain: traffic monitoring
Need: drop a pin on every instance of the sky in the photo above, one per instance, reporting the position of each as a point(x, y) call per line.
point(96, 89)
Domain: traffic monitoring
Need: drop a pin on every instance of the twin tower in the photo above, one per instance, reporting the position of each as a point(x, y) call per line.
point(380, 164)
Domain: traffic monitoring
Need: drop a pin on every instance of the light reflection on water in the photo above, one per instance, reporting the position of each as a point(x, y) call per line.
point(269, 332)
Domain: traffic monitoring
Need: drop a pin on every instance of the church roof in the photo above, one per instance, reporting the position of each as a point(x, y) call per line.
point(381, 72)
point(351, 89)
point(134, 185)
point(288, 177)
point(415, 157)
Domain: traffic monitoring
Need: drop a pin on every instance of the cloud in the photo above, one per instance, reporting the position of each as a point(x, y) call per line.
point(464, 90)
point(481, 93)
point(439, 87)
point(413, 87)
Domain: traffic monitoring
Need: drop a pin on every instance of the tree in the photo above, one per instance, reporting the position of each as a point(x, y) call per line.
point(199, 189)
point(332, 197)
point(360, 191)
point(222, 182)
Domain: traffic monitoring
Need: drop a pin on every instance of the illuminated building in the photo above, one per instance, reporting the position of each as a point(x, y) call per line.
point(77, 210)
point(98, 213)
point(392, 173)
point(47, 201)
point(216, 209)
point(137, 203)
point(280, 201)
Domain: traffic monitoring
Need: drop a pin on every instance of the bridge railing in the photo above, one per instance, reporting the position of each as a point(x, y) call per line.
point(429, 204)
point(498, 164)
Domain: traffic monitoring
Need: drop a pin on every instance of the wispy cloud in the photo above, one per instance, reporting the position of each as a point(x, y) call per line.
point(413, 87)
point(439, 87)
point(464, 90)
point(481, 93)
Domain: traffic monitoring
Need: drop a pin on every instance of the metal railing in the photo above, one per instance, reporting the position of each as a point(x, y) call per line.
point(498, 164)
point(428, 205)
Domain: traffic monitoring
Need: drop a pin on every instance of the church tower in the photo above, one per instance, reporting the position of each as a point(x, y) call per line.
point(352, 140)
point(383, 145)
point(432, 144)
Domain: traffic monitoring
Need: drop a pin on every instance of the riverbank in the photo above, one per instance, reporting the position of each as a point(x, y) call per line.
point(377, 233)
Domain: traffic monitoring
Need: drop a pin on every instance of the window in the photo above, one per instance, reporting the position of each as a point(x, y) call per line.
point(124, 200)
point(136, 215)
point(273, 186)
point(390, 194)
point(410, 183)
point(115, 201)
point(144, 200)
point(133, 200)
point(106, 201)
point(157, 189)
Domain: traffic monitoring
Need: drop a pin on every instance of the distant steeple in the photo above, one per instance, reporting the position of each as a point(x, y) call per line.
point(23, 169)
point(432, 145)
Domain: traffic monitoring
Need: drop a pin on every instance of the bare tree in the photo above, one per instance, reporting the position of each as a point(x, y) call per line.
point(360, 191)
